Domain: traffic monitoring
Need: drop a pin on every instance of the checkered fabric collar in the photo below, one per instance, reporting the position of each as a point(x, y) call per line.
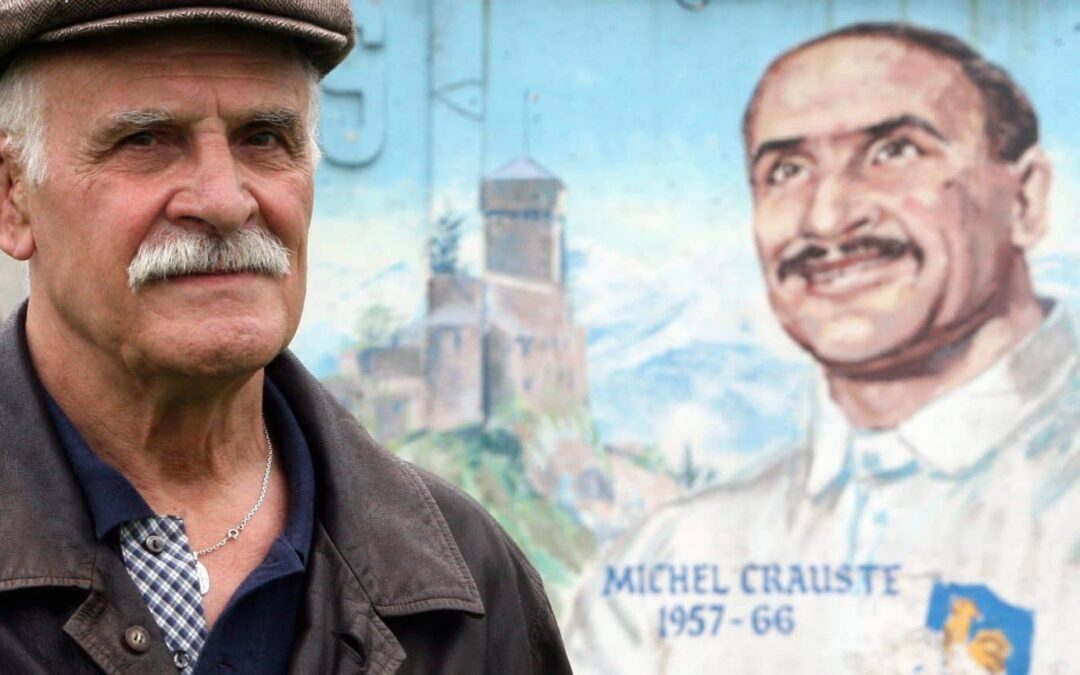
point(158, 559)
point(113, 500)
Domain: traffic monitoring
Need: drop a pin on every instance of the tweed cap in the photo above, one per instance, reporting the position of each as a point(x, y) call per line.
point(324, 29)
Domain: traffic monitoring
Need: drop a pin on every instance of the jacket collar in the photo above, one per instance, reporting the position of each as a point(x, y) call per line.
point(375, 509)
point(45, 519)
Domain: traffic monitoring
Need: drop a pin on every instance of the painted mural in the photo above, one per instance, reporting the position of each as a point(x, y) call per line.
point(761, 348)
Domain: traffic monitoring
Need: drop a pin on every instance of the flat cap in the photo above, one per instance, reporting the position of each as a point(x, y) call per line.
point(324, 29)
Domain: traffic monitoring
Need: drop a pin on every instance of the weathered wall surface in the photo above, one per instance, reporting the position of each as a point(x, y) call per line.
point(12, 284)
point(685, 379)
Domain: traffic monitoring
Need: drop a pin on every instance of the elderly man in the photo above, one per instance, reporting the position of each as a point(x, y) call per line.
point(178, 493)
point(925, 526)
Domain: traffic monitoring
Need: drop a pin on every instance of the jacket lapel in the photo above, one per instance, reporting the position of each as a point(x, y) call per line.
point(375, 508)
point(46, 532)
point(381, 547)
point(112, 607)
point(343, 633)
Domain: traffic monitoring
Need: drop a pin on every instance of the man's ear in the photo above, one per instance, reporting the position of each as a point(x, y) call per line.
point(1030, 202)
point(16, 237)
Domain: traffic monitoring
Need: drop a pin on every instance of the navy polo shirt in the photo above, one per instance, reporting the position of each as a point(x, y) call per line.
point(256, 632)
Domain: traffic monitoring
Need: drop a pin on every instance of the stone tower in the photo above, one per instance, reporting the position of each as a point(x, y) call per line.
point(522, 203)
point(503, 341)
point(454, 354)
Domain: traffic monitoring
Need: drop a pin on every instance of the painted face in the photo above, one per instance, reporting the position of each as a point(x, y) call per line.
point(146, 137)
point(881, 220)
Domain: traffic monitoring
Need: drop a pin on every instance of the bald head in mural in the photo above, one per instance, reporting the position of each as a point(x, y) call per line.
point(924, 523)
point(897, 183)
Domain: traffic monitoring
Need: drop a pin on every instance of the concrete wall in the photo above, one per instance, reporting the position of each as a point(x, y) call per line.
point(13, 286)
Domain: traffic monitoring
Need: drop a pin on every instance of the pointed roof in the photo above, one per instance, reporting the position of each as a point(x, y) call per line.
point(522, 168)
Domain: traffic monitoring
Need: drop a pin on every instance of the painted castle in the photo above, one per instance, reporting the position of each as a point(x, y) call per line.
point(503, 341)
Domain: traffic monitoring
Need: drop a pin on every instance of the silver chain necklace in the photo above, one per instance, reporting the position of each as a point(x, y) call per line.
point(234, 533)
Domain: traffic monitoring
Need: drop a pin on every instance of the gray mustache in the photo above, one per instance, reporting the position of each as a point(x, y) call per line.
point(183, 252)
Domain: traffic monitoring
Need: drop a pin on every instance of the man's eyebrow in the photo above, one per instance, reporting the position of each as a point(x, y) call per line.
point(778, 145)
point(874, 131)
point(900, 121)
point(282, 118)
point(287, 122)
point(128, 121)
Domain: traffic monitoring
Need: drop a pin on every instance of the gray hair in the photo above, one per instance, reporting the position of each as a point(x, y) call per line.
point(21, 120)
point(23, 126)
point(313, 112)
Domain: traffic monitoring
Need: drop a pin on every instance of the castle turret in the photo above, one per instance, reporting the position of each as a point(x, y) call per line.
point(522, 204)
point(503, 341)
point(455, 357)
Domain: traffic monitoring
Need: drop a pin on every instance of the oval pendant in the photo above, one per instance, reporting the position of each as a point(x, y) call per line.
point(204, 577)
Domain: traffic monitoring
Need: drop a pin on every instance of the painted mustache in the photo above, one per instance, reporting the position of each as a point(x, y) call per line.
point(183, 253)
point(810, 259)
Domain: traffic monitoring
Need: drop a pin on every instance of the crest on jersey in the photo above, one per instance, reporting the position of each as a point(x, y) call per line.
point(979, 629)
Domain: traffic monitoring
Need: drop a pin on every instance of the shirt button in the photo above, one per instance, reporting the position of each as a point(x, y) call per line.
point(155, 543)
point(181, 659)
point(137, 639)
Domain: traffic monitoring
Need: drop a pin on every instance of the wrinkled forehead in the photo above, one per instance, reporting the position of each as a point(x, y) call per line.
point(842, 85)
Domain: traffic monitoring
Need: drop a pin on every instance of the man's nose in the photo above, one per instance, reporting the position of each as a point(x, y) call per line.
point(215, 193)
point(838, 205)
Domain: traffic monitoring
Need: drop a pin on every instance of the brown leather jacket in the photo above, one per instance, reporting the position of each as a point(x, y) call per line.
point(406, 574)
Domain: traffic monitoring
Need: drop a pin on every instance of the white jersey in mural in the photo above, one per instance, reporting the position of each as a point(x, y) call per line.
point(949, 544)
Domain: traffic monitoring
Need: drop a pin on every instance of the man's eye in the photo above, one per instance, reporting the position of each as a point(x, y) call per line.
point(264, 139)
point(783, 171)
point(142, 139)
point(891, 151)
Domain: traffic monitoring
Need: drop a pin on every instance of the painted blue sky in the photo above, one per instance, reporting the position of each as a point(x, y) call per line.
point(636, 105)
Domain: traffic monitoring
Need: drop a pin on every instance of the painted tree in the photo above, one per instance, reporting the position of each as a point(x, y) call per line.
point(378, 326)
point(444, 243)
point(690, 473)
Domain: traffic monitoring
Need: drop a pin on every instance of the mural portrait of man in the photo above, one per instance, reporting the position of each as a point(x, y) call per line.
point(922, 526)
